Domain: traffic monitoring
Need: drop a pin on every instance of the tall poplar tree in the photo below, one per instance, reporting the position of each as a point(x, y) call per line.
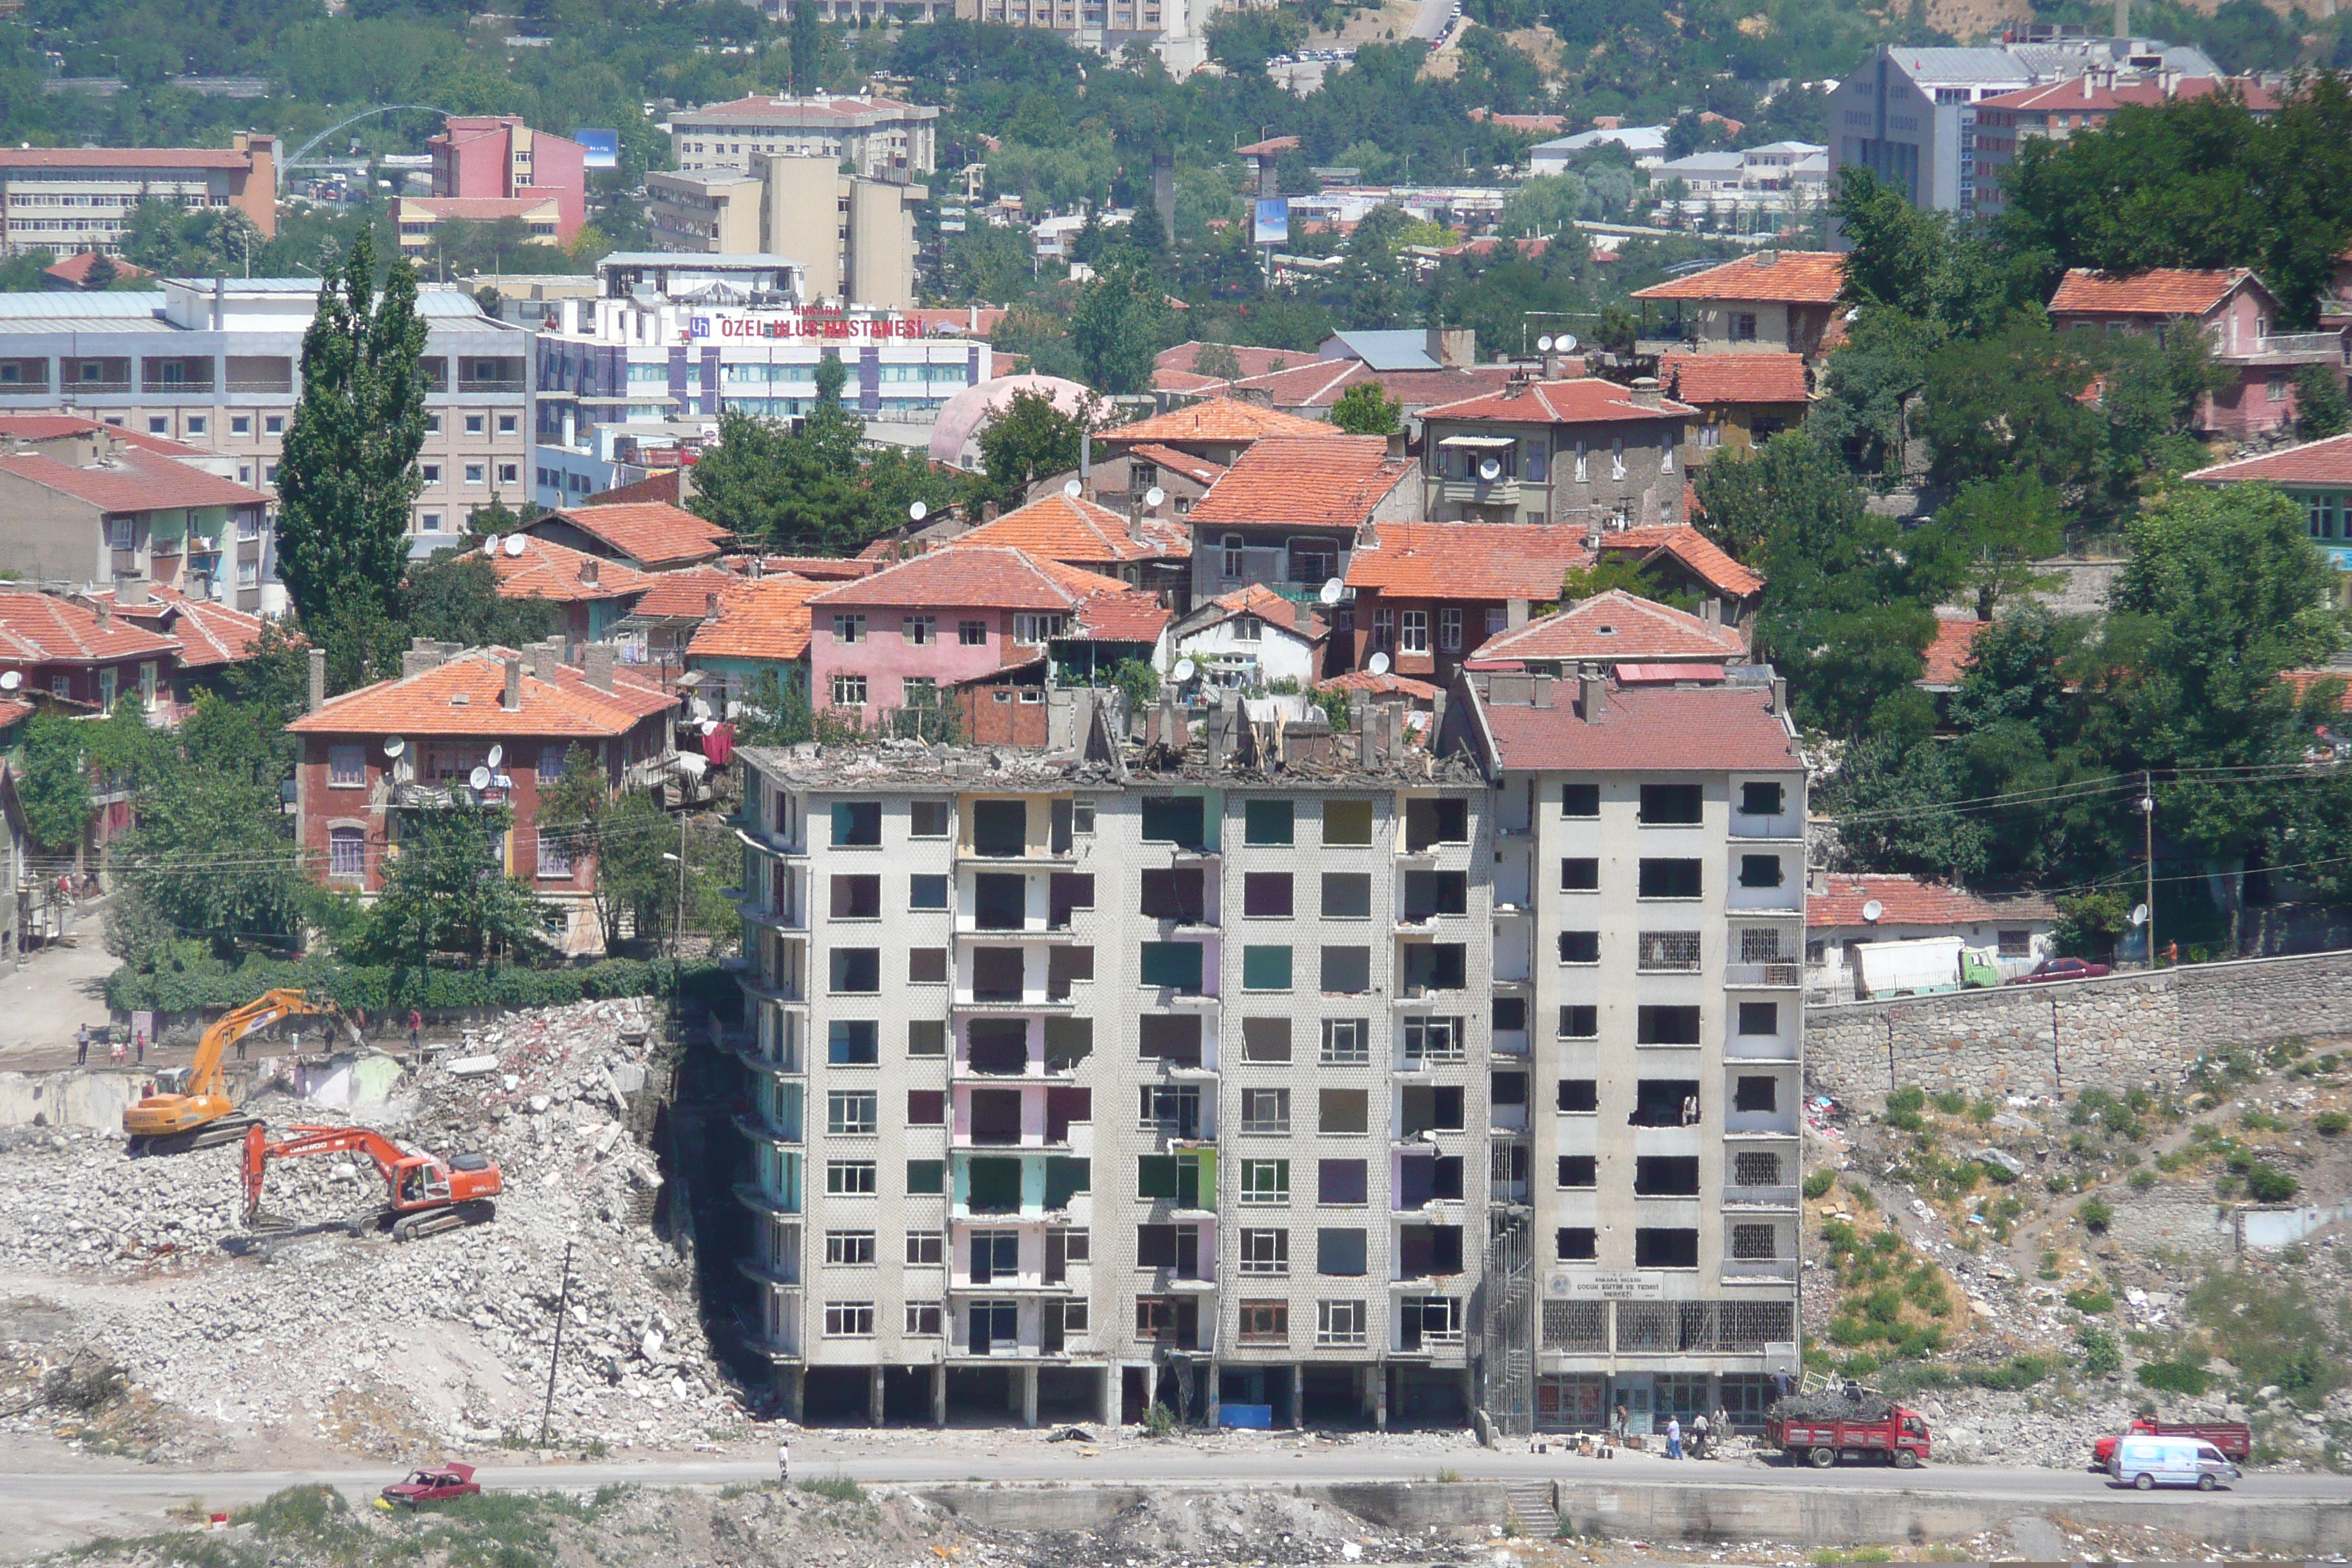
point(348, 482)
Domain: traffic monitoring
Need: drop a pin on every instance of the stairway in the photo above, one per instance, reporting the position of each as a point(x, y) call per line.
point(1531, 1504)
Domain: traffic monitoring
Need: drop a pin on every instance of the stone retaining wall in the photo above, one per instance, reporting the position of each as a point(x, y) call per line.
point(2114, 1034)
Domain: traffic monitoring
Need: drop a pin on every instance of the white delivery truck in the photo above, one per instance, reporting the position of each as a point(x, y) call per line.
point(2148, 1463)
point(1905, 968)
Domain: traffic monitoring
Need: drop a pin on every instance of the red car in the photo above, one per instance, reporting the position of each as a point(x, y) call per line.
point(2060, 969)
point(439, 1484)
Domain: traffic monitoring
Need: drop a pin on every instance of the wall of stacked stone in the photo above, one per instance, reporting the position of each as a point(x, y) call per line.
point(2115, 1033)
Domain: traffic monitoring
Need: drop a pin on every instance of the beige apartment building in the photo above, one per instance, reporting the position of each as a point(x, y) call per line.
point(854, 237)
point(879, 138)
point(72, 199)
point(1102, 22)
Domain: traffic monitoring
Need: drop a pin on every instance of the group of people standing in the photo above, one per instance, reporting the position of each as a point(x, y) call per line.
point(1705, 1432)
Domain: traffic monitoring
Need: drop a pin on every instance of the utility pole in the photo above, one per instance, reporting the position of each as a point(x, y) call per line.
point(562, 1304)
point(2148, 824)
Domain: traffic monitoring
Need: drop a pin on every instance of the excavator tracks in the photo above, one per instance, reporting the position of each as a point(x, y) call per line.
point(211, 1136)
point(433, 1222)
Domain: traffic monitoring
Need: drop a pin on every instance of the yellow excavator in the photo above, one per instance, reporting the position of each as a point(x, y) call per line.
point(197, 1113)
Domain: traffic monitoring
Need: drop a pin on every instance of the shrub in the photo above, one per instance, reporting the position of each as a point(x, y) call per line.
point(2141, 1181)
point(2101, 1355)
point(840, 1488)
point(1904, 1107)
point(1952, 1102)
point(2018, 1373)
point(2091, 1302)
point(2272, 1331)
point(1158, 1421)
point(2269, 1185)
point(1819, 1183)
point(2173, 1377)
point(2095, 1215)
point(2332, 1124)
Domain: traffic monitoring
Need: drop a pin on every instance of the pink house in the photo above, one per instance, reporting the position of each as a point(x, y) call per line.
point(2239, 315)
point(498, 156)
point(916, 634)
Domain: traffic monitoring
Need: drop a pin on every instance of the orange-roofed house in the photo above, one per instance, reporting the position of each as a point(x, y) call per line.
point(1681, 559)
point(1586, 452)
point(1618, 629)
point(591, 593)
point(1771, 302)
point(1949, 655)
point(1287, 513)
point(651, 536)
point(652, 639)
point(2239, 316)
point(1140, 549)
point(1251, 638)
point(1743, 400)
point(909, 637)
point(1843, 912)
point(133, 513)
point(212, 637)
point(82, 655)
point(1218, 428)
point(759, 626)
point(2317, 475)
point(1426, 593)
point(453, 710)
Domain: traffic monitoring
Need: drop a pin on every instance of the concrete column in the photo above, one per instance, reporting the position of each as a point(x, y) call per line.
point(1113, 1377)
point(940, 1393)
point(794, 1380)
point(1210, 1370)
point(1469, 1397)
point(874, 1398)
point(1380, 1394)
point(1297, 1395)
point(1029, 1395)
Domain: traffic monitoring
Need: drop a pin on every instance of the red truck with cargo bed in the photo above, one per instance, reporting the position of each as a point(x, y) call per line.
point(2234, 1438)
point(1901, 1438)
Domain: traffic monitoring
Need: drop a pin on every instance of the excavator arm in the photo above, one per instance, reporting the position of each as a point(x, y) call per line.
point(200, 1115)
point(260, 1151)
point(428, 1194)
point(204, 1074)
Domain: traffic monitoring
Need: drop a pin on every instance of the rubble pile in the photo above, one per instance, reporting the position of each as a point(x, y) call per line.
point(311, 1336)
point(1254, 1527)
point(1832, 1405)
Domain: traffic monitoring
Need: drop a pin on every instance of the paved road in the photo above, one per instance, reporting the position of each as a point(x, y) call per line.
point(1432, 20)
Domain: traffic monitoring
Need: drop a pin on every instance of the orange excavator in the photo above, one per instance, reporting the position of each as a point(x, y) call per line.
point(423, 1195)
point(198, 1113)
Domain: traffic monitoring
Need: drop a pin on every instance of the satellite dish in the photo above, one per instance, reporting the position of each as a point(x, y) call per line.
point(1072, 488)
point(1872, 910)
point(12, 680)
point(514, 544)
point(1154, 497)
point(2140, 914)
point(394, 745)
point(498, 755)
point(1184, 671)
point(1490, 469)
point(479, 778)
point(1377, 663)
point(1331, 590)
point(490, 547)
point(1565, 343)
point(1543, 345)
point(918, 512)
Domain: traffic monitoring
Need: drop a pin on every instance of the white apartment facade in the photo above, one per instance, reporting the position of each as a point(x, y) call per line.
point(217, 365)
point(1085, 1086)
point(879, 138)
point(1649, 908)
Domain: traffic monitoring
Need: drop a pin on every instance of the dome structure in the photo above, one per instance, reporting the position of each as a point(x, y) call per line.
point(955, 436)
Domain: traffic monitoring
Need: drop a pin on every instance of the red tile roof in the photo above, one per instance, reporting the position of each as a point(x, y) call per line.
point(57, 426)
point(49, 629)
point(1705, 729)
point(1617, 625)
point(763, 618)
point(2327, 462)
point(1075, 530)
point(684, 592)
point(134, 480)
point(210, 634)
point(2160, 291)
point(1271, 145)
point(1318, 383)
point(1791, 277)
point(1128, 616)
point(1699, 555)
point(1200, 470)
point(1498, 561)
point(1580, 402)
point(1329, 480)
point(652, 533)
point(1947, 656)
point(1734, 378)
point(1179, 361)
point(461, 696)
point(829, 568)
point(122, 158)
point(560, 575)
point(2302, 680)
point(1388, 685)
point(75, 270)
point(990, 577)
point(1907, 901)
point(1263, 602)
point(1224, 420)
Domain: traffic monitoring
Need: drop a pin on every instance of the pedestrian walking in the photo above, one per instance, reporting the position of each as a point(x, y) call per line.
point(81, 1046)
point(115, 1054)
point(1673, 1437)
point(1624, 1420)
point(140, 1042)
point(416, 1030)
point(1699, 1432)
point(784, 1464)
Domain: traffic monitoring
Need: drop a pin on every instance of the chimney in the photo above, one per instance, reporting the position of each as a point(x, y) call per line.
point(1646, 392)
point(596, 660)
point(1514, 613)
point(131, 591)
point(588, 569)
point(1711, 611)
point(104, 611)
point(547, 658)
point(1780, 696)
point(1767, 259)
point(710, 606)
point(988, 511)
point(1592, 694)
point(513, 699)
point(318, 678)
point(1303, 618)
point(1085, 463)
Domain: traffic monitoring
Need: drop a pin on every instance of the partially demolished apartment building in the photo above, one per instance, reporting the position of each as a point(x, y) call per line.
point(1211, 1059)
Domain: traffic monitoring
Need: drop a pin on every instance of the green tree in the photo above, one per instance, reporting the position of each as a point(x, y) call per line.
point(803, 492)
point(24, 273)
point(1366, 409)
point(804, 37)
point(1027, 440)
point(1983, 544)
point(1217, 360)
point(347, 481)
point(1117, 326)
point(1869, 388)
point(100, 273)
point(210, 860)
point(54, 782)
point(2012, 404)
point(457, 595)
point(2320, 408)
point(446, 894)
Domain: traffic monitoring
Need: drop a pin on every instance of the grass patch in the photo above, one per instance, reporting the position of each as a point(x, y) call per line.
point(1828, 1555)
point(1819, 1183)
point(2091, 1302)
point(2095, 1215)
point(2332, 1124)
point(840, 1488)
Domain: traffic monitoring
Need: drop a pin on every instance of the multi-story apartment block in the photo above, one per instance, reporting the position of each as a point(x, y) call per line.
point(1649, 919)
point(879, 138)
point(497, 157)
point(1584, 451)
point(216, 365)
point(73, 199)
point(854, 238)
point(1104, 24)
point(1109, 1074)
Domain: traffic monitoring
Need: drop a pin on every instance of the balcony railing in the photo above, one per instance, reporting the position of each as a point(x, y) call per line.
point(176, 386)
point(2302, 345)
point(1786, 973)
point(1760, 1198)
point(490, 384)
point(1760, 1268)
